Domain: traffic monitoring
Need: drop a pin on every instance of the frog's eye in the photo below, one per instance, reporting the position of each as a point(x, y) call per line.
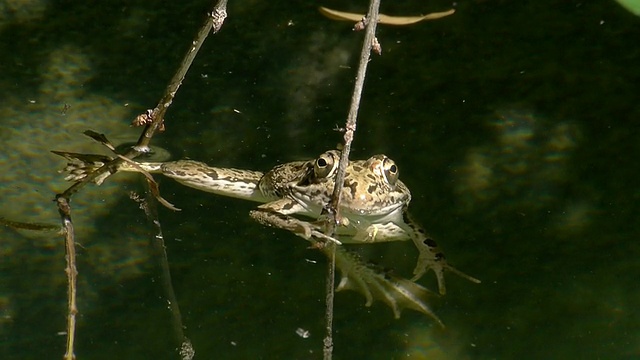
point(390, 171)
point(326, 165)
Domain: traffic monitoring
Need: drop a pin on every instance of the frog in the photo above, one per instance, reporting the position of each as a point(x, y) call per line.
point(293, 195)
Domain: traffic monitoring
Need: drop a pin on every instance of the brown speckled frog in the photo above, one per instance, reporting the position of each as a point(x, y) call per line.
point(373, 209)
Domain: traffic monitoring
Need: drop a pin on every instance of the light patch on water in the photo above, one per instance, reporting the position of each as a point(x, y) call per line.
point(420, 344)
point(524, 166)
point(34, 126)
point(514, 129)
point(574, 218)
point(476, 175)
point(312, 70)
point(21, 11)
point(54, 118)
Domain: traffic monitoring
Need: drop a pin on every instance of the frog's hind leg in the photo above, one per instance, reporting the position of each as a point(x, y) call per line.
point(377, 284)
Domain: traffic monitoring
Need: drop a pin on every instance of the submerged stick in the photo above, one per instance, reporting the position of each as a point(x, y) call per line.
point(334, 206)
point(72, 274)
point(149, 205)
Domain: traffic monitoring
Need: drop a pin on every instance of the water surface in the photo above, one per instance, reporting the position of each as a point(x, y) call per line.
point(512, 123)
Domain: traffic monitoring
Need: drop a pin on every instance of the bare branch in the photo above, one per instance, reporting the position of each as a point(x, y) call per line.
point(28, 226)
point(214, 21)
point(350, 127)
point(72, 274)
point(334, 206)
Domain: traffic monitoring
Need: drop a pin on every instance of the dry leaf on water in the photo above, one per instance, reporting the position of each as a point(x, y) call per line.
point(383, 19)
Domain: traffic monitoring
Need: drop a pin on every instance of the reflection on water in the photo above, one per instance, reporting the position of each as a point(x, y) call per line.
point(526, 162)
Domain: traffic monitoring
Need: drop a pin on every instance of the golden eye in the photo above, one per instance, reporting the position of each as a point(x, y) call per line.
point(390, 171)
point(326, 164)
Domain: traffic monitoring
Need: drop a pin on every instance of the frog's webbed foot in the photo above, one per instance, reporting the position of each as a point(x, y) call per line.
point(80, 165)
point(376, 284)
point(437, 262)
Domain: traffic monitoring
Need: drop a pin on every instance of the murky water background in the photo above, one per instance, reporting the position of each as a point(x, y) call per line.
point(513, 123)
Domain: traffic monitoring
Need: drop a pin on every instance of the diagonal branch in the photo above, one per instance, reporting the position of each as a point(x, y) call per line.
point(153, 120)
point(214, 22)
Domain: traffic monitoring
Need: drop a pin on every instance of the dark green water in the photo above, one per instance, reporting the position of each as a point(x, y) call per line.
point(513, 123)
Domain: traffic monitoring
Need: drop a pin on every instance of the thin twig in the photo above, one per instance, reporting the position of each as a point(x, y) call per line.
point(350, 129)
point(70, 249)
point(327, 342)
point(214, 21)
point(28, 226)
point(155, 117)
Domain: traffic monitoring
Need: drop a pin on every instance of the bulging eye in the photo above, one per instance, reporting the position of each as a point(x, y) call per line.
point(390, 171)
point(326, 164)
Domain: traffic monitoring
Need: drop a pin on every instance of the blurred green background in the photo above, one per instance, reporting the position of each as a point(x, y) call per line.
point(514, 124)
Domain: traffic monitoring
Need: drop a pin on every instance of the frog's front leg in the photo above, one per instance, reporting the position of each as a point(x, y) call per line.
point(431, 256)
point(276, 214)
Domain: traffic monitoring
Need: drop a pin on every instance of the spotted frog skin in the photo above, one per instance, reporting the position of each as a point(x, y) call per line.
point(373, 209)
